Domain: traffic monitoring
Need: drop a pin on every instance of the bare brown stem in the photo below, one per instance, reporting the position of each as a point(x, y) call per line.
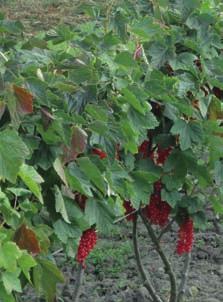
point(167, 265)
point(142, 272)
point(124, 217)
point(183, 283)
point(165, 230)
point(78, 282)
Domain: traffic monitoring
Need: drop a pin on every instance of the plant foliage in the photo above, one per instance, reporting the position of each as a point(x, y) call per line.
point(73, 89)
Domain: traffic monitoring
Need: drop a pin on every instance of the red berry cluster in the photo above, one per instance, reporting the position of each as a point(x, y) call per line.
point(161, 155)
point(129, 209)
point(185, 237)
point(158, 156)
point(99, 152)
point(86, 244)
point(158, 210)
point(144, 149)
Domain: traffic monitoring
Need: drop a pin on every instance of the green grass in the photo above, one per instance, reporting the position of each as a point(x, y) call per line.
point(110, 257)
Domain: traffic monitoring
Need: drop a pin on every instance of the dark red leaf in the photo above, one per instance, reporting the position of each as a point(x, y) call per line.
point(47, 117)
point(26, 239)
point(77, 146)
point(25, 99)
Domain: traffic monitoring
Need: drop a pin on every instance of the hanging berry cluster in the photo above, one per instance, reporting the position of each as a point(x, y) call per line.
point(144, 149)
point(158, 210)
point(161, 155)
point(130, 216)
point(157, 155)
point(185, 237)
point(86, 244)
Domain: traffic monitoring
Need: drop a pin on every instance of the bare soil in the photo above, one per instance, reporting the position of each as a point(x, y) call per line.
point(112, 276)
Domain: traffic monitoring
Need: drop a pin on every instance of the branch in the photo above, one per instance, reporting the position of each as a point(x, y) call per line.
point(183, 283)
point(142, 272)
point(124, 217)
point(165, 230)
point(78, 282)
point(167, 265)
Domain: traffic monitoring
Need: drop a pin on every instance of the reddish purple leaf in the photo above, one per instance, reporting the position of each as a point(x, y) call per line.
point(25, 99)
point(78, 145)
point(26, 239)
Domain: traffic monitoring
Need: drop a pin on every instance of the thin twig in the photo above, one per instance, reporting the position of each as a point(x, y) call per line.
point(183, 283)
point(142, 272)
point(144, 56)
point(167, 265)
point(4, 56)
point(78, 282)
point(57, 252)
point(165, 230)
point(123, 217)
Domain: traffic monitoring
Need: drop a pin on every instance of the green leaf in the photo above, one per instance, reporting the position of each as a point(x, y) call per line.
point(186, 8)
point(46, 275)
point(77, 180)
point(32, 179)
point(131, 136)
point(125, 59)
point(60, 205)
point(99, 213)
point(171, 197)
point(8, 212)
point(13, 153)
point(83, 73)
point(4, 296)
point(140, 122)
point(130, 98)
point(161, 52)
point(200, 220)
point(178, 162)
point(26, 262)
point(98, 113)
point(51, 268)
point(75, 214)
point(162, 87)
point(184, 61)
point(189, 132)
point(141, 187)
point(58, 166)
point(9, 254)
point(217, 204)
point(192, 204)
point(147, 28)
point(149, 177)
point(218, 173)
point(65, 231)
point(11, 281)
point(92, 172)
